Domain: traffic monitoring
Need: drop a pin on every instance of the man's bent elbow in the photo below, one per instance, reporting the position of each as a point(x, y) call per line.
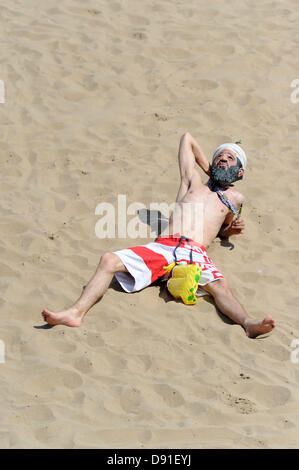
point(186, 135)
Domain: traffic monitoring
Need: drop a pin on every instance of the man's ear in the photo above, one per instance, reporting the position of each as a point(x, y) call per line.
point(241, 171)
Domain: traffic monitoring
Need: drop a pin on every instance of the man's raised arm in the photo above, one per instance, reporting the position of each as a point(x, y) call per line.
point(200, 157)
point(189, 153)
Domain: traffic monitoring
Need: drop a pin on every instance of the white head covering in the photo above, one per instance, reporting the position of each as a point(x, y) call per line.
point(235, 148)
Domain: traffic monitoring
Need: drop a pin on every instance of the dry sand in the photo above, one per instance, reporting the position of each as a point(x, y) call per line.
point(97, 96)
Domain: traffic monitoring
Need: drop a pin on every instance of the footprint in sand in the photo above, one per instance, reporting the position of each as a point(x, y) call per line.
point(138, 363)
point(277, 352)
point(145, 436)
point(94, 340)
point(53, 379)
point(130, 400)
point(202, 85)
point(32, 414)
point(270, 395)
point(83, 364)
point(171, 397)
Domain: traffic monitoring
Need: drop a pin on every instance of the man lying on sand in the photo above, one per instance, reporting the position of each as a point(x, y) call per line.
point(138, 267)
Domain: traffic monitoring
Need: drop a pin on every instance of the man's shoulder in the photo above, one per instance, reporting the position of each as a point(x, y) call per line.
point(237, 197)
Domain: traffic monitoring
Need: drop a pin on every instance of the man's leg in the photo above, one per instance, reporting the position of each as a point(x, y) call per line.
point(230, 307)
point(109, 264)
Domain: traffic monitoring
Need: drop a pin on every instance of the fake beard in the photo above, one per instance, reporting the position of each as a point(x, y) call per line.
point(223, 176)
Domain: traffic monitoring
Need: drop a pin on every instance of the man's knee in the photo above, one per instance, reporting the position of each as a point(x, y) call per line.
point(110, 262)
point(220, 286)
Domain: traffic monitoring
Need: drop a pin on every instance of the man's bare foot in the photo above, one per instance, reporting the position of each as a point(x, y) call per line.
point(70, 317)
point(255, 328)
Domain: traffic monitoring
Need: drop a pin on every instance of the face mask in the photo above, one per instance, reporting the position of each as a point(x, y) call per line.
point(224, 176)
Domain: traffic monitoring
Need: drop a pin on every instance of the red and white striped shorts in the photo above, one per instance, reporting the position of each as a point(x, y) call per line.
point(145, 263)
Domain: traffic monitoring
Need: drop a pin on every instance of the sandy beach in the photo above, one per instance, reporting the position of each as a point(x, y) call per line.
point(97, 96)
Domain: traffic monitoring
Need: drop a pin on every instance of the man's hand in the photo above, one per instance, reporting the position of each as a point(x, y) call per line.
point(236, 227)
